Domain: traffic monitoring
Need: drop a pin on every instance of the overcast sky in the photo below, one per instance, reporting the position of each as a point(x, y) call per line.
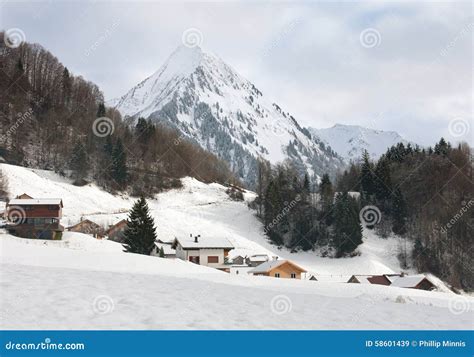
point(400, 66)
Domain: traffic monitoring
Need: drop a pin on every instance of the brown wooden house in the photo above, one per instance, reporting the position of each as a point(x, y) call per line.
point(35, 217)
point(419, 282)
point(370, 279)
point(116, 231)
point(86, 226)
point(279, 269)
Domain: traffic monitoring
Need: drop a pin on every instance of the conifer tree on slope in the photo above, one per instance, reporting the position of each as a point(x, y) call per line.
point(347, 227)
point(119, 164)
point(140, 235)
point(367, 179)
point(400, 213)
point(79, 162)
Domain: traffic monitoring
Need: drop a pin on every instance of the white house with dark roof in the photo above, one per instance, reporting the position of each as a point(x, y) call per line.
point(208, 251)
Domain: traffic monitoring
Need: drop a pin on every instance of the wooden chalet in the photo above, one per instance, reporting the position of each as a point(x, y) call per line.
point(279, 269)
point(86, 226)
point(35, 217)
point(116, 231)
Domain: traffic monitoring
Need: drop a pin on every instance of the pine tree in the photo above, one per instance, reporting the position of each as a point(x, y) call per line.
point(162, 252)
point(327, 193)
point(79, 163)
point(140, 235)
point(400, 213)
point(382, 181)
point(101, 110)
point(367, 179)
point(347, 235)
point(442, 148)
point(119, 165)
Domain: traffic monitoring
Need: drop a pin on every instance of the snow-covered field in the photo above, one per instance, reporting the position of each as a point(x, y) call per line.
point(82, 282)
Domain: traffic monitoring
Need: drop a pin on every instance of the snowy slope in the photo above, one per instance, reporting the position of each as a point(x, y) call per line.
point(203, 209)
point(350, 141)
point(82, 282)
point(210, 103)
point(47, 287)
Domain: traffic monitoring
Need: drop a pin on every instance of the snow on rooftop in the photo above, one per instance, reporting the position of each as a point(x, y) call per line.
point(34, 201)
point(167, 250)
point(264, 267)
point(408, 281)
point(204, 242)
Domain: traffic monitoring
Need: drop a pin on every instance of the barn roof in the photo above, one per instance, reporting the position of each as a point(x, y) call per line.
point(204, 242)
point(166, 248)
point(36, 202)
point(84, 221)
point(372, 279)
point(409, 281)
point(272, 264)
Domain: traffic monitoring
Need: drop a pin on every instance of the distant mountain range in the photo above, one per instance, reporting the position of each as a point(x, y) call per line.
point(350, 141)
point(208, 102)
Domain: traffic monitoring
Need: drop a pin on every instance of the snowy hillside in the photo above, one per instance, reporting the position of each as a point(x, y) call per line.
point(81, 282)
point(48, 287)
point(350, 141)
point(210, 103)
point(203, 209)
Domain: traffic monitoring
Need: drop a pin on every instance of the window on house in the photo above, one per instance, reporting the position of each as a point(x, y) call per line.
point(52, 208)
point(293, 275)
point(277, 275)
point(213, 259)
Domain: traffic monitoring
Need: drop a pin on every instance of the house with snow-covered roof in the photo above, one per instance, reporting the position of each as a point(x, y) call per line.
point(35, 217)
point(168, 251)
point(420, 282)
point(370, 279)
point(208, 251)
point(278, 269)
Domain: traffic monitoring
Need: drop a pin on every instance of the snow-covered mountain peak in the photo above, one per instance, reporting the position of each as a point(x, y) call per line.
point(350, 141)
point(204, 98)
